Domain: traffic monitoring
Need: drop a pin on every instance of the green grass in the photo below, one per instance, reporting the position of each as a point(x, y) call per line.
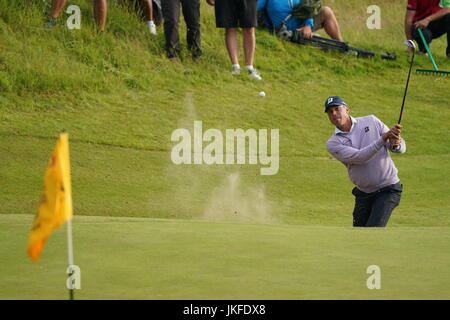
point(140, 189)
point(120, 99)
point(129, 258)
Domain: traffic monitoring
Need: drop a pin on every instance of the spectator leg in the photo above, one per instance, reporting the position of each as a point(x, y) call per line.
point(57, 6)
point(171, 14)
point(441, 27)
point(447, 24)
point(231, 42)
point(100, 11)
point(330, 24)
point(249, 40)
point(148, 9)
point(191, 13)
point(427, 34)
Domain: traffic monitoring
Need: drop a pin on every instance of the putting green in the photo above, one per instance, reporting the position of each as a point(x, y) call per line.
point(139, 258)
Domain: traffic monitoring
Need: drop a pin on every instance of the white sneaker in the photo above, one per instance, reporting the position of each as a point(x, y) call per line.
point(235, 70)
point(254, 74)
point(152, 27)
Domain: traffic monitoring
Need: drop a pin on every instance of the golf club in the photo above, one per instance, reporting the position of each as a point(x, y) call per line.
point(409, 44)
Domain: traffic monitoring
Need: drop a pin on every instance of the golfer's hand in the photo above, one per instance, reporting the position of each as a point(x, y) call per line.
point(395, 142)
point(307, 32)
point(394, 137)
point(393, 134)
point(386, 136)
point(396, 130)
point(422, 23)
point(211, 2)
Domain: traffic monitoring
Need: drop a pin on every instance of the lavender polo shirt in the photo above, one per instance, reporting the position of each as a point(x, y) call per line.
point(365, 154)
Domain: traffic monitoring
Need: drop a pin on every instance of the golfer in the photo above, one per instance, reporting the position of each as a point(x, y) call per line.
point(362, 145)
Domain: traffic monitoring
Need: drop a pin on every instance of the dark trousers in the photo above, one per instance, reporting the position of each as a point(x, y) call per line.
point(374, 209)
point(171, 14)
point(434, 30)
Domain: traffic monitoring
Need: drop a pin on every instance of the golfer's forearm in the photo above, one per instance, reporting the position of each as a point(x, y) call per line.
point(350, 155)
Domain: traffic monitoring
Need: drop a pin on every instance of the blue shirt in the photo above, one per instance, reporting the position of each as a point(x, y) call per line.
point(278, 10)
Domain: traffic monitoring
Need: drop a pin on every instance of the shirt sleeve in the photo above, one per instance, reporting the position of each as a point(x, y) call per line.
point(309, 22)
point(382, 130)
point(400, 149)
point(350, 155)
point(412, 5)
point(381, 127)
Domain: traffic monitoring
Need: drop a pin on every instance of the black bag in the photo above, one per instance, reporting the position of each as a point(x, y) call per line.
point(306, 9)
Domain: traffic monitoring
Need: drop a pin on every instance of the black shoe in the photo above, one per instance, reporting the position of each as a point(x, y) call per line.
point(172, 53)
point(196, 54)
point(172, 56)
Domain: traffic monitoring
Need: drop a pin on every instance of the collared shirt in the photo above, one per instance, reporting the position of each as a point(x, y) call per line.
point(337, 130)
point(423, 8)
point(365, 154)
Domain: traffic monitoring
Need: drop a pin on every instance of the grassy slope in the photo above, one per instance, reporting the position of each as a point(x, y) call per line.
point(205, 260)
point(120, 99)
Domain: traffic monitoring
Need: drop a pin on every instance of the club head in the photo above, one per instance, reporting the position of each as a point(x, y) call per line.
point(410, 44)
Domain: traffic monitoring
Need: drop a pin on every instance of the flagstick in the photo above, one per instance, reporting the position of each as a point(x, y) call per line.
point(70, 252)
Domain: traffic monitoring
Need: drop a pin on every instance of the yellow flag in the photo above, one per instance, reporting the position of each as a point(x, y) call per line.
point(55, 206)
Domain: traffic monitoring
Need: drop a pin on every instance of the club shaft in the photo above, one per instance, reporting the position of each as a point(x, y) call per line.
point(406, 88)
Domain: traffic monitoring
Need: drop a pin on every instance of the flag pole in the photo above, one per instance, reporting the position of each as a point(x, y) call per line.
point(70, 256)
point(69, 230)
